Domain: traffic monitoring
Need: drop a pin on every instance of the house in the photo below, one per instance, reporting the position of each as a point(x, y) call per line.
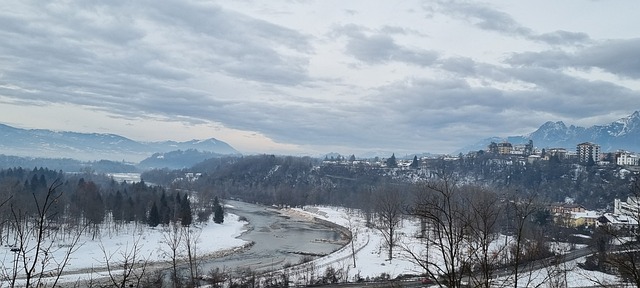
point(566, 208)
point(561, 153)
point(625, 158)
point(533, 158)
point(564, 214)
point(582, 219)
point(618, 221)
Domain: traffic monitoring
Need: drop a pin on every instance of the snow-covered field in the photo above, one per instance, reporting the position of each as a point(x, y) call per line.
point(371, 256)
point(88, 262)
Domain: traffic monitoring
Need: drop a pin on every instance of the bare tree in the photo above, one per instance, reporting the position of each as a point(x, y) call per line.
point(625, 259)
point(441, 205)
point(172, 237)
point(353, 228)
point(35, 238)
point(389, 205)
point(129, 269)
point(485, 209)
point(520, 212)
point(191, 239)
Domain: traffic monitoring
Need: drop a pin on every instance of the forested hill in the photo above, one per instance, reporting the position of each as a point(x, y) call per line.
point(287, 180)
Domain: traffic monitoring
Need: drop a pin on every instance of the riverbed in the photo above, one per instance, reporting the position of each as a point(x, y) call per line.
point(279, 240)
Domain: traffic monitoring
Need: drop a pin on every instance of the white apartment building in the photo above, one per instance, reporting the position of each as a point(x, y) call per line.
point(630, 208)
point(624, 158)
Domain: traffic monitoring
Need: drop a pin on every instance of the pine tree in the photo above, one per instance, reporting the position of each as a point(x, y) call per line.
point(391, 161)
point(165, 210)
point(186, 217)
point(415, 162)
point(154, 216)
point(218, 212)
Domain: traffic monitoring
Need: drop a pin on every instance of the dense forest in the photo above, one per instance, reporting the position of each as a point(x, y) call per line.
point(89, 200)
point(297, 181)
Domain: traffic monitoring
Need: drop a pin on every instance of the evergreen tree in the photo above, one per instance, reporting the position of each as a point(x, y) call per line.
point(154, 216)
point(218, 212)
point(34, 183)
point(391, 161)
point(415, 163)
point(186, 217)
point(164, 210)
point(117, 207)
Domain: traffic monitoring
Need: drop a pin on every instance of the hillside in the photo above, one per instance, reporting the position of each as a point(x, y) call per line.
point(94, 146)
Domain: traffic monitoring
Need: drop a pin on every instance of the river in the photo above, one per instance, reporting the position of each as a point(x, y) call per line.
point(279, 240)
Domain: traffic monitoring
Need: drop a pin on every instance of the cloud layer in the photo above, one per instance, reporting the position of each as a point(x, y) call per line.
point(312, 77)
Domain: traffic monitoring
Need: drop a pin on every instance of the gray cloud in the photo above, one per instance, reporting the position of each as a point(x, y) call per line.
point(563, 38)
point(490, 19)
point(203, 63)
point(380, 48)
point(487, 18)
point(620, 57)
point(99, 56)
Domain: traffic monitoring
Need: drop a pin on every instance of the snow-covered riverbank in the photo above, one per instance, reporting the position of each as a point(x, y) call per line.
point(88, 260)
point(371, 255)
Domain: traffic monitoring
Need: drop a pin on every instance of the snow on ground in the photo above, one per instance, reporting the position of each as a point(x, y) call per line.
point(371, 255)
point(568, 272)
point(212, 239)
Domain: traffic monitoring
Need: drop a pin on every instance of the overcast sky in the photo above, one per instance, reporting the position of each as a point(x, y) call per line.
point(311, 77)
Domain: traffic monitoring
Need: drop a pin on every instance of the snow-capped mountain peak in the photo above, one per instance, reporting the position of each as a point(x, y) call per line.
point(622, 134)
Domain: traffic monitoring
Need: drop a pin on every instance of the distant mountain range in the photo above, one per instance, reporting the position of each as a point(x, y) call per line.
point(176, 159)
point(622, 134)
point(94, 146)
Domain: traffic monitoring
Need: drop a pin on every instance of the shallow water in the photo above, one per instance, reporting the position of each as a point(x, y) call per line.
point(279, 240)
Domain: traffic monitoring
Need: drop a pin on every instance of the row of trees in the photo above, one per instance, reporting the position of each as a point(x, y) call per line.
point(44, 213)
point(460, 226)
point(298, 181)
point(93, 199)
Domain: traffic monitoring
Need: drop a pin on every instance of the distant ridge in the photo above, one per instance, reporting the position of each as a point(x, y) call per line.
point(94, 146)
point(623, 134)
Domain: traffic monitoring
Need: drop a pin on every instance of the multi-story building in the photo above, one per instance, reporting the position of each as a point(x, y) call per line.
point(630, 208)
point(505, 148)
point(561, 153)
point(618, 221)
point(566, 208)
point(624, 158)
point(625, 214)
point(562, 213)
point(583, 219)
point(587, 152)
